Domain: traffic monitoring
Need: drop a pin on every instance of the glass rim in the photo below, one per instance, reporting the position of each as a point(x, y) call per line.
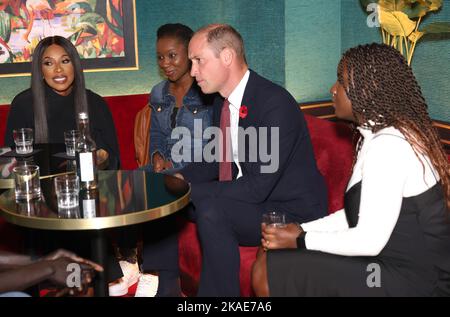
point(274, 213)
point(71, 132)
point(23, 130)
point(27, 167)
point(66, 177)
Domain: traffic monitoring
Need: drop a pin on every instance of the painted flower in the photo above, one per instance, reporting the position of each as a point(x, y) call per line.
point(243, 112)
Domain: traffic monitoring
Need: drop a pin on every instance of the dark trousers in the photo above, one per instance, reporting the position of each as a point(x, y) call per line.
point(160, 244)
point(160, 253)
point(223, 225)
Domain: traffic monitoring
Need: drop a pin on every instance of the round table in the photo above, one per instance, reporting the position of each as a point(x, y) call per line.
point(123, 198)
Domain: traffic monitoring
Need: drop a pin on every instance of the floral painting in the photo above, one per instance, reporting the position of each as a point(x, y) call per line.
point(99, 29)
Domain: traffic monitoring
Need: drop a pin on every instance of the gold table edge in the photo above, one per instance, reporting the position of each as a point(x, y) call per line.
point(96, 223)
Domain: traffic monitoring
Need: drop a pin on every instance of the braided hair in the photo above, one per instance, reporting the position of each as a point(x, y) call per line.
point(384, 92)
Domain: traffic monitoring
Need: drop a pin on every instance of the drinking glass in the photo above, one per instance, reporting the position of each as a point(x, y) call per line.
point(274, 218)
point(23, 138)
point(67, 188)
point(70, 138)
point(27, 183)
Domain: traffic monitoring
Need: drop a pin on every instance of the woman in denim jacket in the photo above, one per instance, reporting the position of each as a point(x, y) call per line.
point(177, 103)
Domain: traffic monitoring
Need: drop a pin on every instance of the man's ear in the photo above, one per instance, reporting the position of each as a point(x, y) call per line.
point(227, 56)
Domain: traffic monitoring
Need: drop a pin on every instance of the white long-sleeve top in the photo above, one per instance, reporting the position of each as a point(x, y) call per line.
point(389, 170)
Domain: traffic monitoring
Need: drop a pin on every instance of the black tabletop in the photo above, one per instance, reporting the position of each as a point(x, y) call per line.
point(122, 198)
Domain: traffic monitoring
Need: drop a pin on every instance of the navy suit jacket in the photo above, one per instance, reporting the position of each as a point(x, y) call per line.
point(296, 187)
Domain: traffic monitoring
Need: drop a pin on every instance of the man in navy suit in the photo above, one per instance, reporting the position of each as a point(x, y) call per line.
point(229, 199)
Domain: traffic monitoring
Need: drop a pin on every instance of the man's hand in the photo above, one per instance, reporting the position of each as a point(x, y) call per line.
point(159, 164)
point(179, 176)
point(280, 237)
point(60, 274)
point(61, 253)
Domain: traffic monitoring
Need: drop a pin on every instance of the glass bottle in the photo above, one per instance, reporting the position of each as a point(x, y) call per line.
point(89, 203)
point(86, 155)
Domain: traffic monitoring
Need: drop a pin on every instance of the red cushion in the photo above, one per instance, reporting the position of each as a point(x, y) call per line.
point(124, 110)
point(333, 150)
point(189, 258)
point(4, 111)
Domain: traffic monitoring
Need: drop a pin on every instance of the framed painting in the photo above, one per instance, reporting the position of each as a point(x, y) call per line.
point(103, 31)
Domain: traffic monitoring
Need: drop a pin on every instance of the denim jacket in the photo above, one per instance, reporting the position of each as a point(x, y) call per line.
point(196, 106)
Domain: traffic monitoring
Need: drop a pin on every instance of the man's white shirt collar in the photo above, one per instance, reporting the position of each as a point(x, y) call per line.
point(236, 96)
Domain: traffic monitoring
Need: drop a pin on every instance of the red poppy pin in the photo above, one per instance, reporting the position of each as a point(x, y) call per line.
point(243, 112)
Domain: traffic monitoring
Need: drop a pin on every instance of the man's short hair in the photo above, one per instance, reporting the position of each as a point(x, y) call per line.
point(220, 36)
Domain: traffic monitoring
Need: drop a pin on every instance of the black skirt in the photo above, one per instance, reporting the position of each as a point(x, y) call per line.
point(294, 272)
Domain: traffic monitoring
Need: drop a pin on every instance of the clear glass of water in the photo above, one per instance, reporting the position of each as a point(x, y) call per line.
point(23, 138)
point(274, 218)
point(67, 188)
point(27, 183)
point(70, 138)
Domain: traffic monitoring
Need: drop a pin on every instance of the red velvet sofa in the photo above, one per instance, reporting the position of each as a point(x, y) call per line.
point(332, 148)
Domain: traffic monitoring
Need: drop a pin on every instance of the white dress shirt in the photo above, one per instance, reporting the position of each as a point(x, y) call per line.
point(389, 170)
point(235, 100)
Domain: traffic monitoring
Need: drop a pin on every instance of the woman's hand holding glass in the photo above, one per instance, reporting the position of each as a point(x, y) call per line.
point(279, 237)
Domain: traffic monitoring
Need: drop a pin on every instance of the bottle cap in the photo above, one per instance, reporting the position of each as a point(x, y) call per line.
point(83, 115)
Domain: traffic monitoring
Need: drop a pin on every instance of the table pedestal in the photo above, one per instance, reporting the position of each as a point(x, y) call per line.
point(99, 249)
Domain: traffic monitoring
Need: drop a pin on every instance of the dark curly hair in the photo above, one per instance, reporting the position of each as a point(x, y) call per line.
point(175, 30)
point(384, 92)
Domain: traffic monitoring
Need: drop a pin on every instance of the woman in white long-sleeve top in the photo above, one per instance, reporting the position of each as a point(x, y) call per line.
point(393, 236)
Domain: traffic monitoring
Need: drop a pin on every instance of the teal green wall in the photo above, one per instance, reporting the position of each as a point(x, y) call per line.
point(257, 21)
point(313, 47)
point(296, 43)
point(431, 62)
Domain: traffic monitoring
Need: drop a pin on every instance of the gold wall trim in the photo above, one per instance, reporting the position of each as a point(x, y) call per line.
point(97, 70)
point(441, 125)
point(327, 116)
point(136, 48)
point(15, 75)
point(320, 105)
point(101, 70)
